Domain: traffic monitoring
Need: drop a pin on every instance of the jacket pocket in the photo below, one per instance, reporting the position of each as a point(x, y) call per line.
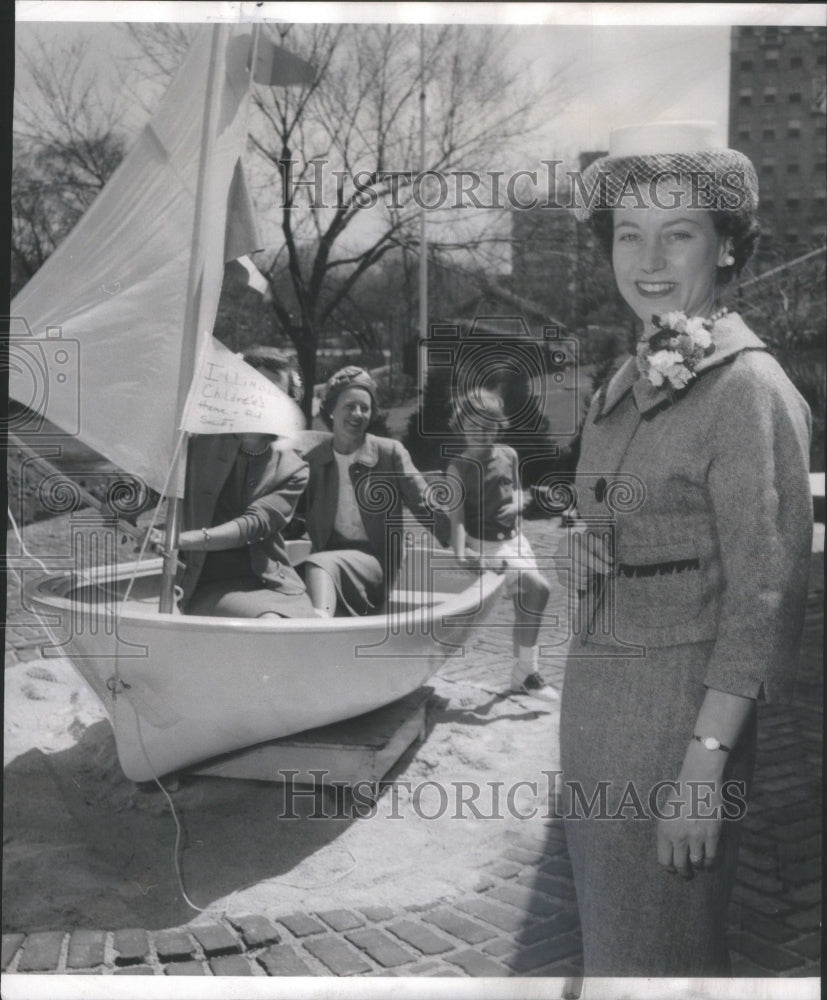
point(659, 595)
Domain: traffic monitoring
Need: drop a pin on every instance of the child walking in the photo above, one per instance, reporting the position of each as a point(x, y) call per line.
point(485, 528)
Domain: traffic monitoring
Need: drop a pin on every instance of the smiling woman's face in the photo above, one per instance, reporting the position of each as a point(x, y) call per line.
point(351, 416)
point(665, 259)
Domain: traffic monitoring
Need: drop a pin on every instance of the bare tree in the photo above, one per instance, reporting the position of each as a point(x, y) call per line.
point(355, 130)
point(346, 151)
point(67, 143)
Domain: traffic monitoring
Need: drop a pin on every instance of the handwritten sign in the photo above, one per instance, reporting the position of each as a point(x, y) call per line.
point(228, 396)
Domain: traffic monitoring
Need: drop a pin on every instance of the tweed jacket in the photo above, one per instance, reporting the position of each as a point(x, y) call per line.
point(702, 499)
point(271, 499)
point(385, 481)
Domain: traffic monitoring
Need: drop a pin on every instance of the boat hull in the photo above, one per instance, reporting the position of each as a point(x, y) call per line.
point(181, 689)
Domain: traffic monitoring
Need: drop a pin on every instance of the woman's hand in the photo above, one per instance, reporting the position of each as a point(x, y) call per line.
point(689, 841)
point(156, 542)
point(692, 813)
point(580, 554)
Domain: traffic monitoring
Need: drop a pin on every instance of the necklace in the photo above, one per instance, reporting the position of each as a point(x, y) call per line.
point(254, 454)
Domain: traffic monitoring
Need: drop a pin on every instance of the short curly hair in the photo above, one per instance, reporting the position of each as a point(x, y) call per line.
point(275, 362)
point(740, 228)
point(476, 409)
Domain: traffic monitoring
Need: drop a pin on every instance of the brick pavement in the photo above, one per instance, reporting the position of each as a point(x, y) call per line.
point(521, 920)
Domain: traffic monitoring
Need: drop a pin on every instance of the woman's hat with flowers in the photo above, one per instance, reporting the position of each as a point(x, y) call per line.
point(720, 179)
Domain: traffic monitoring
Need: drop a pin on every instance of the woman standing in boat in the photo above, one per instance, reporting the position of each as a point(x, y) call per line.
point(359, 484)
point(696, 454)
point(241, 491)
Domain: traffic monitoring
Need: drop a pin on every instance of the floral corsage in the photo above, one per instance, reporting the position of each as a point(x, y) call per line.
point(679, 342)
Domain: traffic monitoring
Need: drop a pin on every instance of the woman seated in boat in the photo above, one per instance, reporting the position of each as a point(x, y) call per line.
point(358, 486)
point(242, 489)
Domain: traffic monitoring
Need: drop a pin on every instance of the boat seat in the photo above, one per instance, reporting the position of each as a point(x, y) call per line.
point(416, 598)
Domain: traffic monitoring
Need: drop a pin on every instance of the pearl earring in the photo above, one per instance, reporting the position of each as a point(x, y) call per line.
point(729, 260)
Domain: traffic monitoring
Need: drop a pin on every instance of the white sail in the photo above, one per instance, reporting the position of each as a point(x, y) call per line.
point(142, 264)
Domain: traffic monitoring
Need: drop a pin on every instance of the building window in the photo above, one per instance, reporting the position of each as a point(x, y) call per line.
point(770, 95)
point(771, 57)
point(793, 130)
point(744, 135)
point(791, 236)
point(793, 204)
point(767, 205)
point(745, 98)
point(746, 65)
point(768, 167)
point(793, 168)
point(768, 134)
point(822, 59)
point(795, 97)
point(795, 62)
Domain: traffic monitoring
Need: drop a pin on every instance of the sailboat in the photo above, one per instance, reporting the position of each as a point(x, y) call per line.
point(110, 335)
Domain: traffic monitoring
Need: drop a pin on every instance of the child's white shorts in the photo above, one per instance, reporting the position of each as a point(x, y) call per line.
point(516, 553)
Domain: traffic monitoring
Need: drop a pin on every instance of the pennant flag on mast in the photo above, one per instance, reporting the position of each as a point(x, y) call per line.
point(140, 275)
point(245, 269)
point(276, 67)
point(228, 396)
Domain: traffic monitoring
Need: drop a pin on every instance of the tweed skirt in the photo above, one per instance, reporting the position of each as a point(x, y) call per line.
point(626, 721)
point(357, 574)
point(247, 597)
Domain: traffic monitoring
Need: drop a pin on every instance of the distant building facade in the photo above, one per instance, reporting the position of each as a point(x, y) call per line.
point(553, 257)
point(777, 116)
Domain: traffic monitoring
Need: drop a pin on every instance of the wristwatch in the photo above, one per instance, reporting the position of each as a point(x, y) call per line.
point(711, 743)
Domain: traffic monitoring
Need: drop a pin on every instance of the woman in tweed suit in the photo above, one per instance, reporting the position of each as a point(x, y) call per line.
point(692, 485)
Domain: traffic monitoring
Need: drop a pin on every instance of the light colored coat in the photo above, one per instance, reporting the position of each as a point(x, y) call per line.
point(717, 474)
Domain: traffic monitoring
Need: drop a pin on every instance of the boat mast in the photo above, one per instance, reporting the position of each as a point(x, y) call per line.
point(423, 241)
point(190, 340)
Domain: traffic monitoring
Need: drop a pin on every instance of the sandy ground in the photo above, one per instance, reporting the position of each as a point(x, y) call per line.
point(84, 847)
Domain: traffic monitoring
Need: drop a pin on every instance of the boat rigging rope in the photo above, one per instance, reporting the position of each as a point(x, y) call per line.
point(173, 464)
point(56, 644)
point(121, 689)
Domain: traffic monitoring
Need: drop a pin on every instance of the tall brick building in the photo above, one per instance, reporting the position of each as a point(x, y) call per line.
point(777, 115)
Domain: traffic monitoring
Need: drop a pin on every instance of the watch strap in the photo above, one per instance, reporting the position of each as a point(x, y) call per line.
point(710, 743)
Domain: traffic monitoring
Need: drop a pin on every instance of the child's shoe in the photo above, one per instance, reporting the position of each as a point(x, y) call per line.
point(532, 684)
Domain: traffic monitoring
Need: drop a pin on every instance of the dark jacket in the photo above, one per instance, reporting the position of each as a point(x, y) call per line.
point(269, 503)
point(385, 482)
point(703, 498)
